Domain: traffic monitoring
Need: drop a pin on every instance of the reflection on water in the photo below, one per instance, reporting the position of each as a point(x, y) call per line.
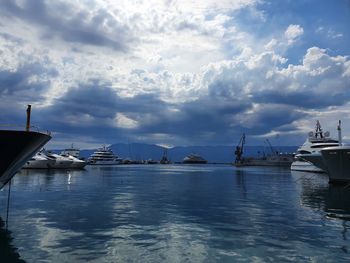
point(175, 213)
point(334, 200)
point(8, 253)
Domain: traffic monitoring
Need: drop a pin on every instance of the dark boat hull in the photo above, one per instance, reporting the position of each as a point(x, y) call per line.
point(17, 147)
point(280, 161)
point(194, 162)
point(337, 160)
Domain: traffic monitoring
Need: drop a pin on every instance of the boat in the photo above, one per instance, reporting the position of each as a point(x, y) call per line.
point(17, 147)
point(104, 156)
point(72, 154)
point(165, 159)
point(61, 162)
point(309, 153)
point(39, 161)
point(151, 161)
point(337, 161)
point(76, 162)
point(72, 151)
point(333, 159)
point(194, 158)
point(275, 158)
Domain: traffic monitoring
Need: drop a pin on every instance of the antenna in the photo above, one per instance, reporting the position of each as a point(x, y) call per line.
point(318, 130)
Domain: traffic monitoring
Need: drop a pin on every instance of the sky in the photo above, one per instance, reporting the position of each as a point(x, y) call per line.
point(175, 72)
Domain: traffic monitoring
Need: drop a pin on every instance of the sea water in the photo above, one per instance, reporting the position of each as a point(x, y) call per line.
point(175, 213)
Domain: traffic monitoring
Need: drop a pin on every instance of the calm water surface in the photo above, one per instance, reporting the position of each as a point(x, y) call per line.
point(175, 213)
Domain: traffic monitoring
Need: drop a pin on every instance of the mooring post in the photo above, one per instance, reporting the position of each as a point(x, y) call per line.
point(29, 108)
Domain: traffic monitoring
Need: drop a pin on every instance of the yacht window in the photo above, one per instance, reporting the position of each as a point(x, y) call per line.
point(304, 152)
point(323, 145)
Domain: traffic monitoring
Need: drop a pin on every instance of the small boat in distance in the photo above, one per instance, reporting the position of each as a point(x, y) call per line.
point(165, 159)
point(104, 156)
point(194, 158)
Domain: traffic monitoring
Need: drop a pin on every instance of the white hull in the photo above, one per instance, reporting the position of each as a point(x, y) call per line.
point(62, 164)
point(112, 162)
point(305, 167)
point(78, 165)
point(39, 164)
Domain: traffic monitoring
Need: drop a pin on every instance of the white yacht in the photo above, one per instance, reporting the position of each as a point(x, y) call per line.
point(76, 162)
point(72, 151)
point(335, 160)
point(194, 158)
point(72, 154)
point(39, 161)
point(104, 156)
point(310, 150)
point(61, 162)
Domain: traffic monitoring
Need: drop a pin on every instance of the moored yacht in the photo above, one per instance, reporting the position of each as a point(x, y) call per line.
point(72, 151)
point(17, 147)
point(310, 150)
point(337, 161)
point(61, 162)
point(39, 161)
point(194, 158)
point(104, 156)
point(76, 162)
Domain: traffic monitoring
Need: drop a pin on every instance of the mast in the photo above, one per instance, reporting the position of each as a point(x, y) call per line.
point(29, 108)
point(318, 130)
point(339, 133)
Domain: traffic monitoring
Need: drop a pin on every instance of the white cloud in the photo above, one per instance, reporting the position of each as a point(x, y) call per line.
point(293, 32)
point(125, 122)
point(180, 52)
point(329, 32)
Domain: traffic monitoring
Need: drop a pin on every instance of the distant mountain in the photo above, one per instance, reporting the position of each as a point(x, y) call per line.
point(213, 154)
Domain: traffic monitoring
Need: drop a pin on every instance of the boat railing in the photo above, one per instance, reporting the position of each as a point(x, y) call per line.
point(20, 127)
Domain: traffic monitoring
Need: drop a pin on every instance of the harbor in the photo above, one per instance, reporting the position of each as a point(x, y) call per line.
point(177, 213)
point(174, 131)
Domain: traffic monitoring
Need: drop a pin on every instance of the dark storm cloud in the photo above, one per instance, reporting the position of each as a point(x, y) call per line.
point(271, 116)
point(19, 83)
point(90, 109)
point(305, 99)
point(60, 19)
point(25, 85)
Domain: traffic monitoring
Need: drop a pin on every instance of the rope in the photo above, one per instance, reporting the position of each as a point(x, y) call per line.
point(8, 204)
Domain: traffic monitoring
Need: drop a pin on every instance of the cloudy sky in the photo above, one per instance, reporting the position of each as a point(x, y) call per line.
point(175, 72)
